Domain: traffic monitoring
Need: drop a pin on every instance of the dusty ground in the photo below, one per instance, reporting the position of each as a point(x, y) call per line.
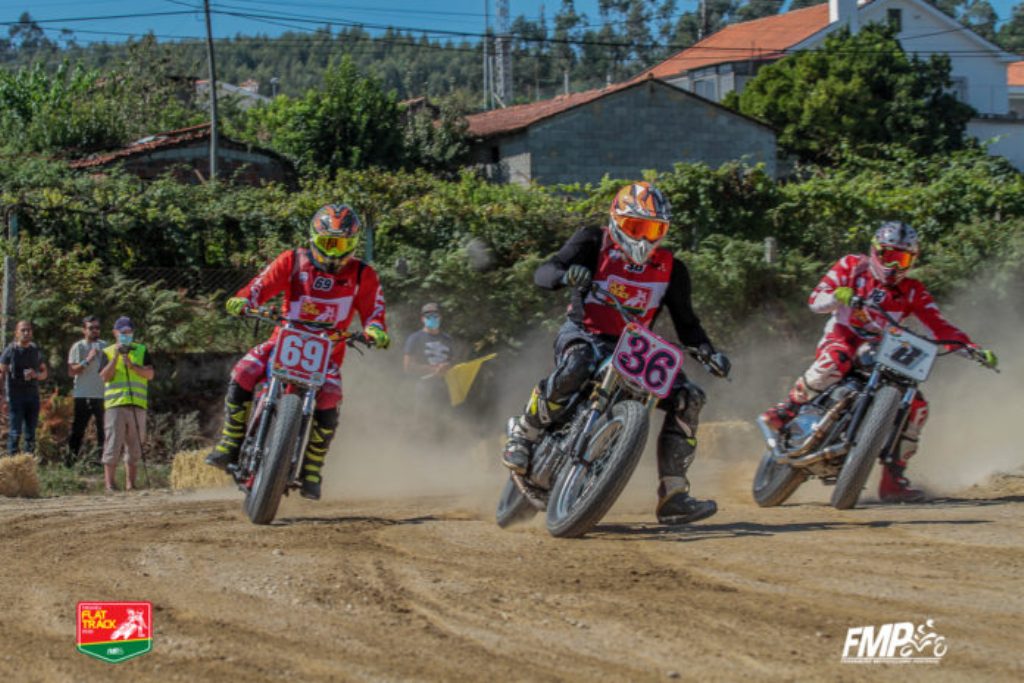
point(401, 588)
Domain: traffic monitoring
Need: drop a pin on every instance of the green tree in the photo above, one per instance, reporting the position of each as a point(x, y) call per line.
point(859, 91)
point(350, 123)
point(1011, 34)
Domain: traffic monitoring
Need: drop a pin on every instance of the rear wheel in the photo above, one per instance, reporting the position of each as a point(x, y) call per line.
point(272, 476)
point(775, 482)
point(584, 492)
point(513, 506)
point(871, 438)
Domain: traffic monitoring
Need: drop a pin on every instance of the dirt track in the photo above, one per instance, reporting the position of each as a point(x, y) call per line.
point(430, 589)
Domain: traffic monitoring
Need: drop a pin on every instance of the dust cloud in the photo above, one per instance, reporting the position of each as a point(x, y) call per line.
point(383, 451)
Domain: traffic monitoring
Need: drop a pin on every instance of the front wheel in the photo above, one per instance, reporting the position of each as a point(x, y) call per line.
point(585, 491)
point(775, 482)
point(513, 506)
point(272, 476)
point(871, 438)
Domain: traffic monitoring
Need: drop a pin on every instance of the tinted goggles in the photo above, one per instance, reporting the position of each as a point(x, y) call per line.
point(335, 246)
point(896, 258)
point(644, 229)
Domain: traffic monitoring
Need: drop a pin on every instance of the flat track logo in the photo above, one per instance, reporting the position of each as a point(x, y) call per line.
point(898, 643)
point(115, 631)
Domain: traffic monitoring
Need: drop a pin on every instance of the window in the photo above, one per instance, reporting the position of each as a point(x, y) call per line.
point(706, 88)
point(495, 154)
point(896, 19)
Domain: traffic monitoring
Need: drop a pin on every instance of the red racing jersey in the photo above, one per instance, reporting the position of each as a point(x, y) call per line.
point(315, 295)
point(907, 298)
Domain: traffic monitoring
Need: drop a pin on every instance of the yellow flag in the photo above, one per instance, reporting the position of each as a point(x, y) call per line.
point(459, 378)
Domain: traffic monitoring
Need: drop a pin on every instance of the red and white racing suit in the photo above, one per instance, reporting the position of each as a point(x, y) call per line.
point(315, 295)
point(848, 328)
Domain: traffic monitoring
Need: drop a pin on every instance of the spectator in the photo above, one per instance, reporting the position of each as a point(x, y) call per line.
point(23, 366)
point(84, 365)
point(429, 353)
point(126, 370)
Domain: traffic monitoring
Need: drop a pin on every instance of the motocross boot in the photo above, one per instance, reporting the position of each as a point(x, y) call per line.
point(226, 451)
point(895, 488)
point(677, 506)
point(522, 437)
point(320, 438)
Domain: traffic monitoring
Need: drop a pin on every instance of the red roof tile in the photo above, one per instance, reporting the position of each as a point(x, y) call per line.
point(1015, 74)
point(759, 39)
point(511, 119)
point(159, 141)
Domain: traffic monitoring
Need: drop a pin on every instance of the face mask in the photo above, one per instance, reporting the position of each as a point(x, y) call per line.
point(432, 322)
point(124, 339)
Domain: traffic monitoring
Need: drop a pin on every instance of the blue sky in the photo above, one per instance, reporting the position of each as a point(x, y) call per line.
point(451, 15)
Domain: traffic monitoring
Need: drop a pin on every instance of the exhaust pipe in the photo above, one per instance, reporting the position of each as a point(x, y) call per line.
point(824, 454)
point(812, 441)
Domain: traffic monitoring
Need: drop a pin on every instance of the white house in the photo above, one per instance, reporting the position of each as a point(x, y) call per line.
point(726, 60)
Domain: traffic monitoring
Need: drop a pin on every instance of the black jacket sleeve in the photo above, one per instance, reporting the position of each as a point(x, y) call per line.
point(680, 307)
point(583, 248)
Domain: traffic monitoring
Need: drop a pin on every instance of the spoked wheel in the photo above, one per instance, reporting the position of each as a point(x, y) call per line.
point(513, 506)
point(775, 482)
point(585, 491)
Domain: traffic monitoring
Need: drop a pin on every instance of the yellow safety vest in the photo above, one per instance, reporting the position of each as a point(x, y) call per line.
point(126, 388)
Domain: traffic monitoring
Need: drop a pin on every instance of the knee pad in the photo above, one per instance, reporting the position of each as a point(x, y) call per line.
point(683, 408)
point(575, 366)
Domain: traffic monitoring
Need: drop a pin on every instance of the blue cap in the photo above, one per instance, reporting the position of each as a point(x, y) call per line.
point(124, 323)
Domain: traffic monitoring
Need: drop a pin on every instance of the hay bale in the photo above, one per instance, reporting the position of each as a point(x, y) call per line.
point(18, 476)
point(188, 471)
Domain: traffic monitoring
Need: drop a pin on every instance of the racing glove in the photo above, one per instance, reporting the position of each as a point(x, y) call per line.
point(843, 295)
point(377, 336)
point(577, 276)
point(718, 363)
point(987, 357)
point(236, 305)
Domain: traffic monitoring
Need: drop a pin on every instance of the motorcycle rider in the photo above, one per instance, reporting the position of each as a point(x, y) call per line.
point(879, 278)
point(323, 281)
point(625, 259)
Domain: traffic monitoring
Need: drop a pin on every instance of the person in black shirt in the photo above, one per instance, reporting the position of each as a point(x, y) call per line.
point(23, 366)
point(429, 353)
point(625, 260)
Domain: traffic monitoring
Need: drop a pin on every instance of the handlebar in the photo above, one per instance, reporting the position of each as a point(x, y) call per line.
point(973, 353)
point(351, 339)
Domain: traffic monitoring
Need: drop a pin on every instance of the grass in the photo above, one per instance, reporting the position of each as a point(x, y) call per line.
point(87, 478)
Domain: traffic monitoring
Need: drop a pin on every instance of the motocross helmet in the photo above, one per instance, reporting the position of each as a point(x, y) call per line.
point(640, 216)
point(333, 236)
point(894, 249)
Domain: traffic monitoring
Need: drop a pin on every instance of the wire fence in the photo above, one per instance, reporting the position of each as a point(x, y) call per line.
point(195, 281)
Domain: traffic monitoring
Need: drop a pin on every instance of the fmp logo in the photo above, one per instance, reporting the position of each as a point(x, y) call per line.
point(898, 643)
point(115, 631)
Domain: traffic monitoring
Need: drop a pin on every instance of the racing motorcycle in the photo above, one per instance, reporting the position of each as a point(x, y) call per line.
point(281, 420)
point(579, 468)
point(843, 432)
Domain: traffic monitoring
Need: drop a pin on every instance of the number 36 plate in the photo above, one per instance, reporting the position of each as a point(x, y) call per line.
point(301, 357)
point(648, 360)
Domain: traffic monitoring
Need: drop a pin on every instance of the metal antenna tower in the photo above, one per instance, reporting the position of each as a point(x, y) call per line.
point(502, 78)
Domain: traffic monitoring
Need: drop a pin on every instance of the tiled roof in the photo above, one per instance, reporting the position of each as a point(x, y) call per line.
point(148, 144)
point(1015, 74)
point(511, 119)
point(759, 39)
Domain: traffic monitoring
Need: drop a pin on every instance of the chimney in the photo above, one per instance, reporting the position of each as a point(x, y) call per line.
point(845, 12)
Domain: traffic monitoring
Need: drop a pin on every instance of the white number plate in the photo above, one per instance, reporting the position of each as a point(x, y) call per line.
point(907, 354)
point(301, 357)
point(648, 360)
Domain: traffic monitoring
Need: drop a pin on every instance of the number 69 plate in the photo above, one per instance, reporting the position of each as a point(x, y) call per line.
point(648, 360)
point(301, 357)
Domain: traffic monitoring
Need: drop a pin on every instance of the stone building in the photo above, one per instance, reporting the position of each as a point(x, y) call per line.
point(185, 153)
point(620, 130)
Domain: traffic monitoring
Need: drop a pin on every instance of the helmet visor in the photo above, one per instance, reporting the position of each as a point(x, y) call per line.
point(330, 245)
point(895, 258)
point(643, 228)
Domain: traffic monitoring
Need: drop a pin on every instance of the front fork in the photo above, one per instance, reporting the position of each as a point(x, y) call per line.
point(889, 453)
point(902, 414)
point(308, 408)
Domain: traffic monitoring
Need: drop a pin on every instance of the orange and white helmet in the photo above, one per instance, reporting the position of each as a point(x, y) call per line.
point(333, 236)
point(640, 216)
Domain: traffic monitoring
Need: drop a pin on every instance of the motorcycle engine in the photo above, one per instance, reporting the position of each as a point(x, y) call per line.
point(801, 426)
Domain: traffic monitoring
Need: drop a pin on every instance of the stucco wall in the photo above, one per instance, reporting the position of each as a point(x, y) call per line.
point(513, 154)
point(652, 126)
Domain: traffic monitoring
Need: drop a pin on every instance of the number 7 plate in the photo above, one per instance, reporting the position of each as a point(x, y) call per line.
point(301, 357)
point(648, 360)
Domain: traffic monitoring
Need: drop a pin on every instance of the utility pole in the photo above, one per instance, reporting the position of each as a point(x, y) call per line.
point(487, 54)
point(503, 56)
point(213, 92)
point(702, 32)
point(10, 270)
